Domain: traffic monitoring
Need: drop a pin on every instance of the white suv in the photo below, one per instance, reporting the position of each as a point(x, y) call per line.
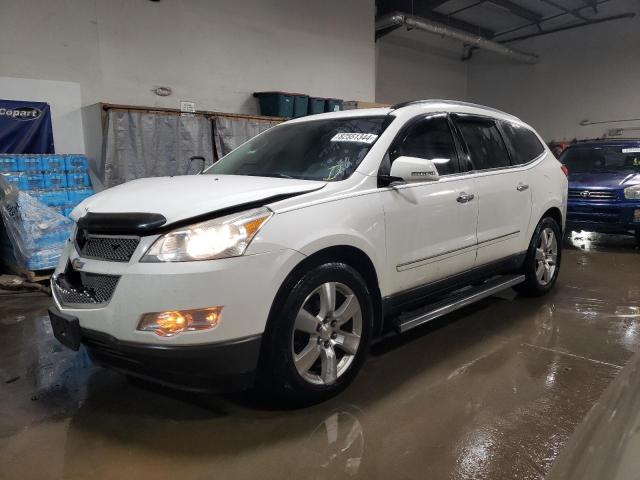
point(279, 264)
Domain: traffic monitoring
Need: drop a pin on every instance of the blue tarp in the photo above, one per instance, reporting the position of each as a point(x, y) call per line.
point(25, 127)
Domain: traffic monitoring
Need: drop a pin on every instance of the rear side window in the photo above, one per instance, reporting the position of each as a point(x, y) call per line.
point(429, 138)
point(486, 148)
point(524, 144)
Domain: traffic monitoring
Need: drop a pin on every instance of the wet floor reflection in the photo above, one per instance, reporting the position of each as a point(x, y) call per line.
point(493, 391)
point(593, 241)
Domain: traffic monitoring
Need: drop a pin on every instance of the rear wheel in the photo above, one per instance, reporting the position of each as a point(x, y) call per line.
point(542, 263)
point(318, 338)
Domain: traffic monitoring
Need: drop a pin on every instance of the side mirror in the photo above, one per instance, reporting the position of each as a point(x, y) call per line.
point(202, 159)
point(413, 170)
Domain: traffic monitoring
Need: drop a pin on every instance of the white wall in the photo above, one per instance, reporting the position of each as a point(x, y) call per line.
point(417, 72)
point(590, 73)
point(64, 100)
point(215, 53)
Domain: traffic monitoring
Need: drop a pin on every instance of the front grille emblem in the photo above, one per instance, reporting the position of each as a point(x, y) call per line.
point(585, 194)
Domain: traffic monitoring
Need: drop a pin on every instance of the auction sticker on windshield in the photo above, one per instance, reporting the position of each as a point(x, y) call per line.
point(367, 138)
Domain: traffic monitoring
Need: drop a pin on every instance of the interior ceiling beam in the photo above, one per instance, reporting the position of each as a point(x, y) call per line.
point(466, 7)
point(593, 4)
point(546, 19)
point(518, 10)
point(386, 31)
point(571, 27)
point(575, 12)
point(433, 4)
point(424, 9)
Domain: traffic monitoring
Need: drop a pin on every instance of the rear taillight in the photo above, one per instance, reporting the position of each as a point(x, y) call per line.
point(565, 170)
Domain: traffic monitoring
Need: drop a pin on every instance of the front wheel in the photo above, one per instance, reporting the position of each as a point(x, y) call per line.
point(317, 339)
point(542, 262)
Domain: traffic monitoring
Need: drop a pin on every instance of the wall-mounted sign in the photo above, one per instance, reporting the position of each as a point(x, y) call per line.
point(25, 127)
point(187, 108)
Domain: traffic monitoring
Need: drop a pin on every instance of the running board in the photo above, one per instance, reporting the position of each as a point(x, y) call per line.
point(409, 320)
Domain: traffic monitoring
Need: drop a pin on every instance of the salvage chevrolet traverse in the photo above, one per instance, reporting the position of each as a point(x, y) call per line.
point(279, 264)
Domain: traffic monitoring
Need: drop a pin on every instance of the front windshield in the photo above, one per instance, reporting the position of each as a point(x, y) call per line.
point(601, 159)
point(328, 150)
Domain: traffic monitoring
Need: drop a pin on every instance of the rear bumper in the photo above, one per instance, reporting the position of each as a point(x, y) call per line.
point(218, 367)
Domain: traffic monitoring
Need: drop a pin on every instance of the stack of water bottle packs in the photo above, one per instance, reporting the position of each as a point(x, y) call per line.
point(59, 181)
point(32, 235)
point(37, 193)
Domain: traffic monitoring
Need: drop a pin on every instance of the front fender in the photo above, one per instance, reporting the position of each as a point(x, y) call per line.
point(356, 221)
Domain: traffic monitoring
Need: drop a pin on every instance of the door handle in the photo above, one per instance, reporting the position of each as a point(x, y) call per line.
point(522, 187)
point(464, 197)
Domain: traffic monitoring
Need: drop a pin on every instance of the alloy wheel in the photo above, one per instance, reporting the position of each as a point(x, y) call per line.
point(546, 256)
point(326, 333)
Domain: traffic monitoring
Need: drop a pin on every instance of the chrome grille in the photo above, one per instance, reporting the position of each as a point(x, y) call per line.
point(110, 248)
point(82, 288)
point(592, 194)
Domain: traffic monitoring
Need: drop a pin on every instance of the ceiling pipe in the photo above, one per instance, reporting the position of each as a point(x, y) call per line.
point(413, 21)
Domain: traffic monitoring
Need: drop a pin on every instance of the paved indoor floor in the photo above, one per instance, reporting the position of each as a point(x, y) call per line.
point(490, 392)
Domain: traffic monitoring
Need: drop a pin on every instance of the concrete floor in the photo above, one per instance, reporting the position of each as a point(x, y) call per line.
point(491, 392)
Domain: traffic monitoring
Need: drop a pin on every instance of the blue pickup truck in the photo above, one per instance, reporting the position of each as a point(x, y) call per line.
point(604, 186)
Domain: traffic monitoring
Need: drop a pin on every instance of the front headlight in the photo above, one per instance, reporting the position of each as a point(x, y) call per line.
point(632, 193)
point(218, 238)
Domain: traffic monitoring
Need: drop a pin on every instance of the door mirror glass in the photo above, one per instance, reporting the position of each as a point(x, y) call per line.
point(412, 169)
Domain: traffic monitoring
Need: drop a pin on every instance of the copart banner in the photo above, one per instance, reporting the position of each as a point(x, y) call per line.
point(25, 127)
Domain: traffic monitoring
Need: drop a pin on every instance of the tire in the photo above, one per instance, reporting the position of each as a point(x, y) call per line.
point(306, 360)
point(534, 285)
point(637, 232)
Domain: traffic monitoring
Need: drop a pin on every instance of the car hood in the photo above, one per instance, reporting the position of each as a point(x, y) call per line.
point(182, 197)
point(608, 180)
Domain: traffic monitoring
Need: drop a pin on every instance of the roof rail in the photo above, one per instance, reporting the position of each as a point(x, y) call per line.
point(450, 102)
point(606, 139)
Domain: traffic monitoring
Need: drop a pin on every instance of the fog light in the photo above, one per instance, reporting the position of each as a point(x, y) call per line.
point(169, 323)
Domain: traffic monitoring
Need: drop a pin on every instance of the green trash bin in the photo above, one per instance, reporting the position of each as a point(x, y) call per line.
point(300, 105)
point(333, 105)
point(316, 105)
point(275, 104)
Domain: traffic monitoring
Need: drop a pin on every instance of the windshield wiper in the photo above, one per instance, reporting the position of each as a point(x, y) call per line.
point(274, 175)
